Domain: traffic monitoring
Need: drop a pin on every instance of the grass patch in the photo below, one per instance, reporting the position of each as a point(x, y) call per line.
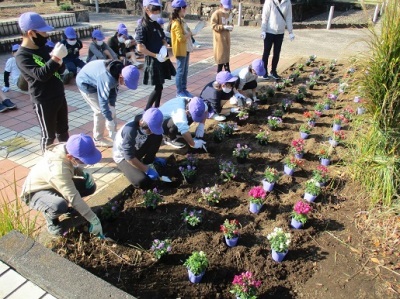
point(13, 144)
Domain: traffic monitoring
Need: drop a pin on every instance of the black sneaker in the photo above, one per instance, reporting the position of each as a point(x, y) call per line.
point(266, 76)
point(10, 105)
point(174, 143)
point(3, 108)
point(53, 225)
point(275, 76)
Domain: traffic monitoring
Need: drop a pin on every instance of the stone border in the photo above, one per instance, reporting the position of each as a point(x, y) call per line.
point(54, 274)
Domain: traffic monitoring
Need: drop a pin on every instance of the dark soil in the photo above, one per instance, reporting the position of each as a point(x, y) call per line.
point(324, 259)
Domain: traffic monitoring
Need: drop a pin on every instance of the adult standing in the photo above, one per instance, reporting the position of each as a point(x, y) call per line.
point(135, 147)
point(42, 72)
point(276, 15)
point(221, 35)
point(98, 83)
point(151, 42)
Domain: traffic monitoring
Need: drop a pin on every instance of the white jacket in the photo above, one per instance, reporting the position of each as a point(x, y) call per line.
point(272, 21)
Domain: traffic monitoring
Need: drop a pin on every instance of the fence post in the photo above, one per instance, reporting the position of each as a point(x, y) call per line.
point(330, 17)
point(376, 14)
point(240, 14)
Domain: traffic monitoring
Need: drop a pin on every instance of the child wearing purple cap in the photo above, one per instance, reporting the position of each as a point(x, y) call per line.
point(73, 45)
point(98, 49)
point(42, 71)
point(135, 147)
point(248, 78)
point(58, 181)
point(11, 71)
point(222, 35)
point(151, 42)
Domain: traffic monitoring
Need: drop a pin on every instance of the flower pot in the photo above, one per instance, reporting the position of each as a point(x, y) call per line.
point(299, 155)
point(191, 179)
point(356, 99)
point(278, 256)
point(195, 278)
point(255, 208)
point(231, 242)
point(320, 184)
point(336, 127)
point(241, 160)
point(267, 186)
point(287, 170)
point(311, 123)
point(296, 224)
point(360, 110)
point(325, 162)
point(327, 107)
point(304, 135)
point(309, 197)
point(333, 142)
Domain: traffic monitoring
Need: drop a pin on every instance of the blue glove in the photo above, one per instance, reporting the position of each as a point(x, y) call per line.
point(152, 173)
point(160, 161)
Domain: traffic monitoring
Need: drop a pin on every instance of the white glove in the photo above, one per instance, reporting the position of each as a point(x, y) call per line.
point(228, 27)
point(160, 58)
point(233, 100)
point(291, 36)
point(59, 51)
point(5, 89)
point(95, 227)
point(198, 143)
point(263, 35)
point(249, 101)
point(200, 131)
point(110, 126)
point(240, 99)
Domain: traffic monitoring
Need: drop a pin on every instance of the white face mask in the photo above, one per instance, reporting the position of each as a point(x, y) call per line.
point(155, 17)
point(121, 39)
point(71, 42)
point(99, 42)
point(226, 89)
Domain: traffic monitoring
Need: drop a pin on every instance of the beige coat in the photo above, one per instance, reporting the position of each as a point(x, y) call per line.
point(221, 37)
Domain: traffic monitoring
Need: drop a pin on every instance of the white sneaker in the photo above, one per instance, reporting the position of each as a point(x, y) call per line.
point(255, 99)
point(103, 143)
point(174, 143)
point(218, 117)
point(196, 45)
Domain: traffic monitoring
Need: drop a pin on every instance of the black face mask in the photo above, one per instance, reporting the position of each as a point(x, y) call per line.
point(39, 40)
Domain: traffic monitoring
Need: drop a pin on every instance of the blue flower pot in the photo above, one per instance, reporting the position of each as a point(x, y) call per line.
point(309, 197)
point(303, 135)
point(296, 224)
point(287, 170)
point(278, 256)
point(255, 208)
point(325, 162)
point(299, 155)
point(231, 242)
point(336, 127)
point(267, 186)
point(195, 278)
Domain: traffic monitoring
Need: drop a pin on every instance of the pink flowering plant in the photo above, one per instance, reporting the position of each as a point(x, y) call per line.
point(300, 211)
point(293, 162)
point(161, 248)
point(211, 194)
point(245, 286)
point(257, 195)
point(320, 175)
point(271, 175)
point(230, 228)
point(152, 198)
point(338, 135)
point(241, 151)
point(298, 146)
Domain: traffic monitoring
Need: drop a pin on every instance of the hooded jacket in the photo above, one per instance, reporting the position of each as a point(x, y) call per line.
point(272, 21)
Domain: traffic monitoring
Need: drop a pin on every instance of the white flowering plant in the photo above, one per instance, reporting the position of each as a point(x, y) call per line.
point(279, 240)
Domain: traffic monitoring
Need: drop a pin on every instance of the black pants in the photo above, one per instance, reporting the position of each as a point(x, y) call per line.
point(248, 85)
point(225, 66)
point(148, 152)
point(53, 122)
point(170, 129)
point(275, 40)
point(155, 97)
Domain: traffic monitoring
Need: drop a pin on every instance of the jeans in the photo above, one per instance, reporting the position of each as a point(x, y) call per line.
point(182, 67)
point(72, 65)
point(275, 40)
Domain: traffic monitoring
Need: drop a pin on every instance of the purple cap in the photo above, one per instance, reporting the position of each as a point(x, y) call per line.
point(131, 75)
point(154, 119)
point(82, 147)
point(122, 30)
point(224, 76)
point(33, 21)
point(15, 47)
point(98, 35)
point(258, 66)
point(197, 107)
point(227, 4)
point(139, 22)
point(151, 2)
point(70, 32)
point(178, 3)
point(160, 21)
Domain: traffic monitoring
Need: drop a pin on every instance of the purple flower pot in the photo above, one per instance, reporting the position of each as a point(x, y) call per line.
point(304, 135)
point(333, 142)
point(267, 186)
point(287, 170)
point(320, 184)
point(360, 110)
point(231, 242)
point(255, 208)
point(311, 123)
point(327, 107)
point(195, 278)
point(309, 197)
point(299, 155)
point(296, 224)
point(278, 256)
point(336, 127)
point(325, 162)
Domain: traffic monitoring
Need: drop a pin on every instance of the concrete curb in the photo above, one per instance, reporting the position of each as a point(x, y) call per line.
point(54, 274)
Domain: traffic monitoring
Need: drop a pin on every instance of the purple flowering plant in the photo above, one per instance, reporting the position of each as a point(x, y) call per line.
point(228, 170)
point(161, 247)
point(241, 151)
point(152, 198)
point(211, 194)
point(188, 171)
point(110, 210)
point(192, 217)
